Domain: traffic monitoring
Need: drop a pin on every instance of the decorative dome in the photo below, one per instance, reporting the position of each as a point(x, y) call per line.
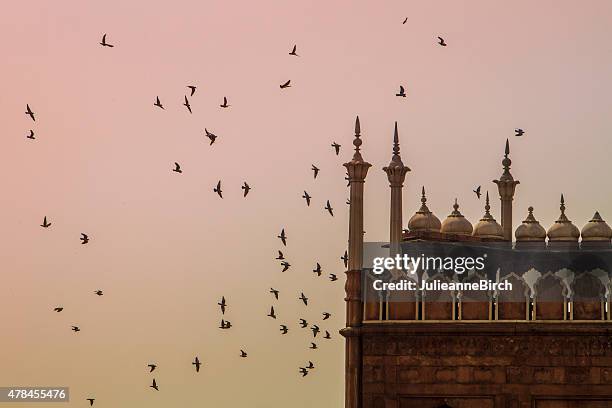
point(530, 229)
point(424, 220)
point(456, 223)
point(487, 227)
point(563, 229)
point(596, 230)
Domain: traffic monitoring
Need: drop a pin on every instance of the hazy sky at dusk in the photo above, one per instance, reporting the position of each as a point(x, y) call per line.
point(164, 248)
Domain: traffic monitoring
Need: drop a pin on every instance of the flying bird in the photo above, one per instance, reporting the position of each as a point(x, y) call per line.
point(315, 330)
point(211, 136)
point(193, 89)
point(29, 112)
point(151, 367)
point(329, 208)
point(31, 135)
point(75, 329)
point(477, 192)
point(310, 365)
point(274, 292)
point(293, 51)
point(333, 277)
point(326, 315)
point(345, 258)
point(280, 256)
point(307, 197)
point(243, 353)
point(187, 105)
point(336, 147)
point(303, 371)
point(45, 224)
point(402, 92)
point(225, 324)
point(303, 298)
point(246, 188)
point(441, 41)
point(283, 237)
point(406, 19)
point(519, 132)
point(315, 169)
point(303, 323)
point(197, 364)
point(84, 238)
point(91, 401)
point(58, 309)
point(285, 266)
point(98, 292)
point(318, 269)
point(177, 168)
point(222, 304)
point(158, 103)
point(272, 314)
point(286, 85)
point(327, 335)
point(218, 189)
point(104, 43)
point(154, 385)
point(225, 105)
point(313, 346)
point(283, 329)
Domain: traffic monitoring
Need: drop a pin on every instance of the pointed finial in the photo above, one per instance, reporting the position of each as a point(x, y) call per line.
point(357, 142)
point(423, 209)
point(530, 210)
point(562, 206)
point(507, 151)
point(487, 206)
point(455, 206)
point(530, 218)
point(597, 217)
point(396, 147)
point(423, 198)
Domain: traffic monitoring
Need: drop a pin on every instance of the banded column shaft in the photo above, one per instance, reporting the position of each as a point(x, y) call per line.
point(506, 186)
point(396, 173)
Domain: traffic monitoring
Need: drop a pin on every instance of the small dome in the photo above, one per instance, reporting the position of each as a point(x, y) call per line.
point(424, 220)
point(456, 223)
point(596, 230)
point(530, 229)
point(487, 227)
point(563, 229)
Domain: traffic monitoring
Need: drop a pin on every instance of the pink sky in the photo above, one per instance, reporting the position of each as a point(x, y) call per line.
point(164, 248)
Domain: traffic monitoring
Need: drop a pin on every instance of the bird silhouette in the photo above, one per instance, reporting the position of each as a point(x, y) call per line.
point(177, 168)
point(402, 92)
point(187, 105)
point(348, 201)
point(154, 385)
point(333, 277)
point(286, 265)
point(151, 367)
point(519, 132)
point(246, 188)
point(272, 314)
point(303, 371)
point(283, 237)
point(293, 51)
point(327, 335)
point(84, 238)
point(91, 401)
point(31, 135)
point(197, 364)
point(286, 85)
point(280, 256)
point(158, 103)
point(193, 89)
point(317, 269)
point(225, 105)
point(345, 258)
point(406, 19)
point(29, 112)
point(45, 224)
point(243, 353)
point(326, 315)
point(225, 324)
point(303, 323)
point(274, 292)
point(98, 292)
point(104, 43)
point(336, 147)
point(303, 298)
point(310, 365)
point(211, 136)
point(441, 41)
point(75, 329)
point(222, 304)
point(283, 329)
point(329, 208)
point(218, 189)
point(315, 170)
point(313, 346)
point(307, 197)
point(477, 192)
point(58, 309)
point(315, 330)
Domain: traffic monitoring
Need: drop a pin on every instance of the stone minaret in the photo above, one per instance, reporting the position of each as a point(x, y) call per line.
point(357, 170)
point(506, 186)
point(396, 173)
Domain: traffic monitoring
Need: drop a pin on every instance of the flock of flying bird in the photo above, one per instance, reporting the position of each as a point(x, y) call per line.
point(226, 324)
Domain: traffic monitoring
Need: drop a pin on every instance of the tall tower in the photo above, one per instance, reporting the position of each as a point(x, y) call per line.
point(506, 186)
point(396, 173)
point(357, 170)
